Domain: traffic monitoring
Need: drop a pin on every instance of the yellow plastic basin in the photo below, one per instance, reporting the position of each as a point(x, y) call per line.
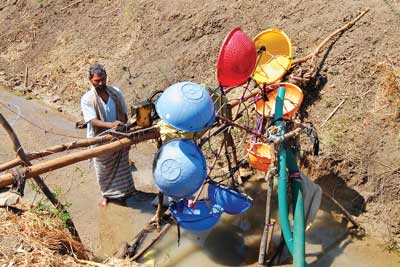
point(277, 57)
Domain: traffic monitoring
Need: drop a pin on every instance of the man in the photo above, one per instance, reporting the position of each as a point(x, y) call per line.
point(103, 108)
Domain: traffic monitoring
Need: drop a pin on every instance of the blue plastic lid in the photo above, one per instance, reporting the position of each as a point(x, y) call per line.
point(186, 106)
point(202, 217)
point(179, 168)
point(231, 200)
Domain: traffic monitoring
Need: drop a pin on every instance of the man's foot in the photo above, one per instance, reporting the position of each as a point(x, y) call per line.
point(103, 202)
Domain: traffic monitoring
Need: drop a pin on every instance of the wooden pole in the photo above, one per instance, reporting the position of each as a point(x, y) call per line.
point(332, 113)
point(231, 123)
point(270, 243)
point(345, 212)
point(253, 93)
point(54, 164)
point(56, 149)
point(159, 212)
point(264, 246)
point(70, 5)
point(325, 41)
point(26, 76)
point(155, 239)
point(38, 180)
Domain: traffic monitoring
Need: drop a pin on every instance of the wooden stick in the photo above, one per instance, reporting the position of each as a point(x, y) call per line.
point(209, 171)
point(267, 222)
point(231, 123)
point(326, 40)
point(56, 149)
point(135, 245)
point(70, 159)
point(91, 263)
point(155, 239)
point(253, 93)
point(38, 180)
point(270, 245)
point(160, 195)
point(70, 5)
point(345, 212)
point(387, 166)
point(288, 135)
point(103, 15)
point(138, 239)
point(159, 211)
point(85, 142)
point(26, 77)
point(333, 112)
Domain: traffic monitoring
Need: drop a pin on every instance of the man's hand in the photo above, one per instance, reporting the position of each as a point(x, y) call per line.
point(115, 124)
point(106, 125)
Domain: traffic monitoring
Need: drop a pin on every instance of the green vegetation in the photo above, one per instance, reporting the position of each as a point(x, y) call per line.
point(392, 246)
point(43, 205)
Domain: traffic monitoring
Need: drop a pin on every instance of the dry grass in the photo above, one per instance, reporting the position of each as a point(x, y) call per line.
point(40, 241)
point(388, 96)
point(32, 239)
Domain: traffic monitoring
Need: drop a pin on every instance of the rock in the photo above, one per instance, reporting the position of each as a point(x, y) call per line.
point(54, 99)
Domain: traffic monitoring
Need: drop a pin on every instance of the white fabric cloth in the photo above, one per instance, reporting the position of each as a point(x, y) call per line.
point(112, 170)
point(114, 174)
point(312, 195)
point(89, 112)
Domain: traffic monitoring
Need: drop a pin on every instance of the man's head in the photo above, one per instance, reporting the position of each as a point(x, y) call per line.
point(98, 76)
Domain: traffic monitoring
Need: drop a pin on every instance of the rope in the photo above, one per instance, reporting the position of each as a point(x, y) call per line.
point(18, 185)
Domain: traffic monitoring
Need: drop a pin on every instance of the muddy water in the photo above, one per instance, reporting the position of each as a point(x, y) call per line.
point(233, 242)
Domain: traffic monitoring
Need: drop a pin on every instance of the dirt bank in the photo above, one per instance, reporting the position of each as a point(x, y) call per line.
point(149, 45)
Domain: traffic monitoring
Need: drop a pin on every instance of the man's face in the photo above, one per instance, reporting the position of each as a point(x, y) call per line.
point(99, 81)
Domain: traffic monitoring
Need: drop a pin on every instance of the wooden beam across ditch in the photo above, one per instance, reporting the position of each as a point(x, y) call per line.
point(66, 160)
point(56, 149)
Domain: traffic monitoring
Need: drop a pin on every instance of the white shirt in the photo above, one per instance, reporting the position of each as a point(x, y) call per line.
point(110, 110)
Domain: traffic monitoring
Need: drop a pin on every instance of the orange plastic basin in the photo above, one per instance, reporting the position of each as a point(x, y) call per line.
point(260, 155)
point(291, 103)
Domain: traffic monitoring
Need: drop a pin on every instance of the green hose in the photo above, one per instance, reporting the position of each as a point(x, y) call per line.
point(295, 243)
point(299, 221)
point(282, 178)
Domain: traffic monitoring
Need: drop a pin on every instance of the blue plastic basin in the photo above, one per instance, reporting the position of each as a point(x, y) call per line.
point(202, 217)
point(186, 106)
point(231, 200)
point(179, 168)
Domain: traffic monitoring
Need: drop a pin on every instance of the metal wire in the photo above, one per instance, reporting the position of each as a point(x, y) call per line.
point(36, 125)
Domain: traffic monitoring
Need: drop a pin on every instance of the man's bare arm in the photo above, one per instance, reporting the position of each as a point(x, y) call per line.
point(105, 124)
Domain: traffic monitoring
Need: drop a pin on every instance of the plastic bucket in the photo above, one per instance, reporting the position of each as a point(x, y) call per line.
point(231, 200)
point(277, 57)
point(179, 168)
